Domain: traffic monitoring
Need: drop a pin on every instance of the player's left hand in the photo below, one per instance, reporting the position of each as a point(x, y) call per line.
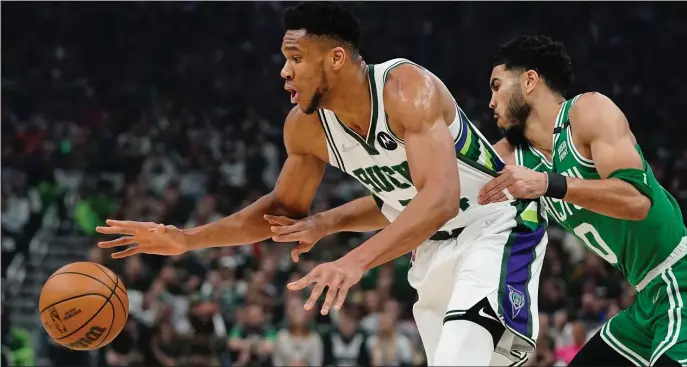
point(338, 276)
point(517, 181)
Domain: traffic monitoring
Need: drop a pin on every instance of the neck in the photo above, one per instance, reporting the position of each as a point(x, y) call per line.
point(541, 121)
point(350, 97)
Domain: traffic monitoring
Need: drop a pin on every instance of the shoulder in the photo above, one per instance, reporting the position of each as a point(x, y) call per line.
point(407, 83)
point(594, 113)
point(300, 130)
point(297, 120)
point(413, 96)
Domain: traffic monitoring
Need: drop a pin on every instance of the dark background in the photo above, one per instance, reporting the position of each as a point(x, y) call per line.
point(172, 112)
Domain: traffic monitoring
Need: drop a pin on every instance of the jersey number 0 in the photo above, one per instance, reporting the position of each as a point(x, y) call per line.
point(587, 233)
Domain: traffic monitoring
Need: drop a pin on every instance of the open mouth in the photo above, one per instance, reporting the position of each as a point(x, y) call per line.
point(293, 92)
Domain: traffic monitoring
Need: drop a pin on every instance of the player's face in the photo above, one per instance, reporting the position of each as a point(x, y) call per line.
point(511, 110)
point(304, 70)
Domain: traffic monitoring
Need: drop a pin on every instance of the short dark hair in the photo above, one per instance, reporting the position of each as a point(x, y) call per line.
point(540, 53)
point(324, 19)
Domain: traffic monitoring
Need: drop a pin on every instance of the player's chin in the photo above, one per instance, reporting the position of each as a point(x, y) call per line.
point(308, 108)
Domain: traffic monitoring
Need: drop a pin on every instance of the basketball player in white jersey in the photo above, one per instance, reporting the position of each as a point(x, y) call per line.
point(395, 128)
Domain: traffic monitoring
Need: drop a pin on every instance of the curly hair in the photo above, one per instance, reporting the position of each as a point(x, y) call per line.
point(324, 19)
point(540, 53)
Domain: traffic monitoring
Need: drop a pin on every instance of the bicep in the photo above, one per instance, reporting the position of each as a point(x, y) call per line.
point(302, 171)
point(612, 145)
point(603, 126)
point(611, 154)
point(418, 105)
point(431, 154)
point(298, 182)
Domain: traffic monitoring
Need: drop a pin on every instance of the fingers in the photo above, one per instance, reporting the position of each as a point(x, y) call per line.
point(125, 253)
point(314, 276)
point(114, 230)
point(302, 248)
point(496, 198)
point(286, 229)
point(343, 292)
point(494, 187)
point(279, 220)
point(291, 237)
point(333, 288)
point(305, 281)
point(122, 241)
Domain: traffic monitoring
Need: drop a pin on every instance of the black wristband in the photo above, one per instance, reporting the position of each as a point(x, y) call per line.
point(557, 187)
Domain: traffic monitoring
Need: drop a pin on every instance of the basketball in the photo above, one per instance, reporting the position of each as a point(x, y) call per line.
point(83, 306)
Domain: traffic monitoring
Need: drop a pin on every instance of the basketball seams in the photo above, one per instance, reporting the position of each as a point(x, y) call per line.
point(69, 299)
point(109, 330)
point(116, 286)
point(107, 300)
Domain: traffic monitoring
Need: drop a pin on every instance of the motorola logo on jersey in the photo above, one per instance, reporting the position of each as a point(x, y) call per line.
point(386, 141)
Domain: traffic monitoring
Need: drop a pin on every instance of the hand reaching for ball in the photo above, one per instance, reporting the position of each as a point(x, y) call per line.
point(144, 238)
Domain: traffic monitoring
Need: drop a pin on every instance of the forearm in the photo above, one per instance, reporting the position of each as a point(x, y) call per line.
point(242, 227)
point(359, 215)
point(425, 215)
point(611, 197)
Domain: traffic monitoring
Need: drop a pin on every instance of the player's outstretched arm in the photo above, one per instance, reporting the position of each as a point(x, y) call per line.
point(291, 196)
point(359, 215)
point(413, 102)
point(622, 192)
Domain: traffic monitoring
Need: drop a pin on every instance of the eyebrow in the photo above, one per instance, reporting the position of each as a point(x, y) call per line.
point(290, 48)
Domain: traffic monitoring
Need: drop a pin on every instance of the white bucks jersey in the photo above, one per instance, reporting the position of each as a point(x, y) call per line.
point(380, 162)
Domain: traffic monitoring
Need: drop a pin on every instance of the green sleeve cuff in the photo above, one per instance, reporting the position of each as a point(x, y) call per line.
point(639, 179)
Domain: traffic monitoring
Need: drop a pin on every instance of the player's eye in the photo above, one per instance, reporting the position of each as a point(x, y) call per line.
point(296, 59)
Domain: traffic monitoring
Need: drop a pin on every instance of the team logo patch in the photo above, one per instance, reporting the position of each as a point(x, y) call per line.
point(517, 300)
point(386, 141)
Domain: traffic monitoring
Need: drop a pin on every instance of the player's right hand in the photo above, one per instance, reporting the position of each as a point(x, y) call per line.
point(307, 232)
point(145, 238)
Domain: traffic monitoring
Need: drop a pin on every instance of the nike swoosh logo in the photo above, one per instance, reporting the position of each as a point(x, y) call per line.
point(484, 314)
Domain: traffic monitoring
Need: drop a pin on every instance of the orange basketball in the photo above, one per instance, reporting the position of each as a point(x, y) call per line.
point(83, 306)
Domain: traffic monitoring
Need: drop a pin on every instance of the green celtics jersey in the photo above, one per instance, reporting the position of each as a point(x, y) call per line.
point(634, 247)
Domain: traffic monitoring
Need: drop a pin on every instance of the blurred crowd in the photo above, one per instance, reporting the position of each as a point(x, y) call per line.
point(171, 112)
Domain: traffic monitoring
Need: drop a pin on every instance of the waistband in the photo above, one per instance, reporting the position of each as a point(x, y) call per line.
point(447, 235)
point(678, 253)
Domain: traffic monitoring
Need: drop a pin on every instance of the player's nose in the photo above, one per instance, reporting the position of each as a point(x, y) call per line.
point(286, 72)
point(492, 102)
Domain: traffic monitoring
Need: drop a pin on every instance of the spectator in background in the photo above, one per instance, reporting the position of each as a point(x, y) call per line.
point(566, 352)
point(251, 341)
point(17, 347)
point(128, 348)
point(346, 345)
point(298, 344)
point(544, 354)
point(166, 345)
point(389, 347)
point(111, 110)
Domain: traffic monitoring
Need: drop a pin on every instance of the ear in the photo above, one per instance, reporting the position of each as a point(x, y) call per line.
point(339, 56)
point(530, 79)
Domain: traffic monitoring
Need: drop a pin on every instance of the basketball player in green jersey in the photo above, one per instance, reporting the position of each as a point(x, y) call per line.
point(581, 158)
